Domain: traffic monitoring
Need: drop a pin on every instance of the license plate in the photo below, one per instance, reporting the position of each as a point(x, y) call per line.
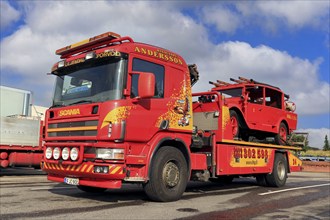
point(71, 181)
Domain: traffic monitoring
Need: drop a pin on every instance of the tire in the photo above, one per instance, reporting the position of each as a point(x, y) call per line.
point(261, 180)
point(168, 177)
point(91, 189)
point(282, 135)
point(234, 120)
point(280, 172)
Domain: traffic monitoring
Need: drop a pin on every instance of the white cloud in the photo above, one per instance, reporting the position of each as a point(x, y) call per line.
point(224, 19)
point(316, 136)
point(293, 75)
point(8, 14)
point(269, 15)
point(295, 13)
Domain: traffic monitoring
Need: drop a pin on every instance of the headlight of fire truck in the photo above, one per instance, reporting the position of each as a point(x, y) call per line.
point(48, 153)
point(57, 153)
point(74, 153)
point(65, 153)
point(110, 154)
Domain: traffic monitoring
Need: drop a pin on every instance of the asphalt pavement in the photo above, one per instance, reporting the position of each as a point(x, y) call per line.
point(27, 194)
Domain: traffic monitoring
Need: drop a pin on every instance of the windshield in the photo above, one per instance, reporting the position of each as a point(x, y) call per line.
point(92, 82)
point(229, 93)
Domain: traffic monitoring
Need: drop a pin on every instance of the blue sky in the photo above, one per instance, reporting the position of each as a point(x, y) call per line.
point(284, 43)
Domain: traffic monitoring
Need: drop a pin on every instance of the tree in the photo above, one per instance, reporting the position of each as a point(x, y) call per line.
point(326, 143)
point(300, 140)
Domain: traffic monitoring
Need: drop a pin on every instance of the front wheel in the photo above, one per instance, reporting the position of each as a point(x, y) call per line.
point(280, 172)
point(282, 135)
point(168, 176)
point(235, 125)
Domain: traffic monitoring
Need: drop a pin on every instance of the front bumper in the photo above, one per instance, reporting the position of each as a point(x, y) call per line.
point(85, 173)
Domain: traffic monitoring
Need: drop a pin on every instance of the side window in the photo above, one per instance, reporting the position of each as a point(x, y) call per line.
point(255, 95)
point(145, 66)
point(273, 98)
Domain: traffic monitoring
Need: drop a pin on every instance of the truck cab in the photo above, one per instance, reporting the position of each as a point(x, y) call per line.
point(115, 103)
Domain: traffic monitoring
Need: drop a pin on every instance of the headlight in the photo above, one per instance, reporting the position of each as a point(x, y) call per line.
point(74, 153)
point(65, 153)
point(110, 154)
point(48, 153)
point(57, 153)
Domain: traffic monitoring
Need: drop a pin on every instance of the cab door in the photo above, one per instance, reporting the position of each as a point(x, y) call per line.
point(273, 109)
point(143, 119)
point(255, 107)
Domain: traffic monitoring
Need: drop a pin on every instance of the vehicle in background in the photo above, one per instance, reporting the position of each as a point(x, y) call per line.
point(21, 129)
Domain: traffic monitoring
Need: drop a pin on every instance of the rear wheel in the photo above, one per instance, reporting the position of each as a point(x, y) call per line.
point(168, 176)
point(282, 134)
point(279, 175)
point(234, 120)
point(91, 189)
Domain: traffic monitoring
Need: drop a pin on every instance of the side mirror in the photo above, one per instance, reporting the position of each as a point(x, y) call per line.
point(146, 85)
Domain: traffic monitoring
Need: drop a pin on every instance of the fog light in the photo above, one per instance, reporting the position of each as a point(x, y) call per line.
point(101, 169)
point(74, 153)
point(49, 153)
point(65, 153)
point(106, 170)
point(97, 169)
point(56, 153)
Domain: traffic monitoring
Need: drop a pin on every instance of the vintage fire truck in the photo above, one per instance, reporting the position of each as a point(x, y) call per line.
point(124, 112)
point(258, 110)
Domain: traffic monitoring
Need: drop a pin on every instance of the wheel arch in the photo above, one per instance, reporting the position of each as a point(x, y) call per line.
point(241, 116)
point(177, 143)
point(286, 124)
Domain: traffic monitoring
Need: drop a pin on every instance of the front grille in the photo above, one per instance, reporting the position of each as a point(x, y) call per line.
point(73, 124)
point(67, 129)
point(72, 133)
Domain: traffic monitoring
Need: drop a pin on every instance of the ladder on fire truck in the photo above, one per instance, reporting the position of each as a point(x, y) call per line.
point(242, 80)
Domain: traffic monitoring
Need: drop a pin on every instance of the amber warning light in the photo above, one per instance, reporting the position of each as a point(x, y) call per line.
point(86, 43)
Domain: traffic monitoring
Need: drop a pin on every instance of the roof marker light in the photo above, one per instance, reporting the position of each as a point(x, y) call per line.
point(87, 42)
point(61, 64)
point(90, 55)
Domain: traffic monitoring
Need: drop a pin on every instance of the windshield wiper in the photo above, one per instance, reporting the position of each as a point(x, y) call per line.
point(57, 105)
point(81, 101)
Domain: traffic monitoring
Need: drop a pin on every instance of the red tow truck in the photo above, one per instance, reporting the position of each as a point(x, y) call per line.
point(124, 112)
